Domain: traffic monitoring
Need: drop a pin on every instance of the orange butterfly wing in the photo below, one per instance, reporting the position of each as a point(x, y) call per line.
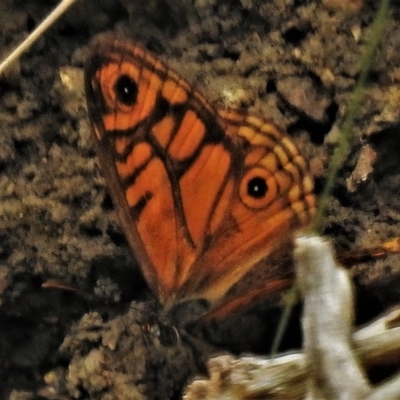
point(201, 196)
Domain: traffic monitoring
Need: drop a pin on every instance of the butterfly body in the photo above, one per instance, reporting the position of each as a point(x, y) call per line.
point(201, 195)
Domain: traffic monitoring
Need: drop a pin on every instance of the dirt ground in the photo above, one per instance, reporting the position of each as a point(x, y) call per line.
point(294, 62)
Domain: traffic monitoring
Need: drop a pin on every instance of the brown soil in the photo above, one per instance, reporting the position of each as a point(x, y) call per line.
point(294, 62)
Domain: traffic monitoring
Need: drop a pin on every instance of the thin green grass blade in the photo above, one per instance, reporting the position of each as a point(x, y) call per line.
point(341, 150)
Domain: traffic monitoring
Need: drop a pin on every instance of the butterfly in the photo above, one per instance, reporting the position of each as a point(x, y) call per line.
point(201, 195)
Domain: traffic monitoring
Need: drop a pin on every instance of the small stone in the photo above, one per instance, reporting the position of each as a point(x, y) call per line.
point(303, 95)
point(363, 168)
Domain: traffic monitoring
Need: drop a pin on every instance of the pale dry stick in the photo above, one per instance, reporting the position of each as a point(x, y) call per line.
point(390, 390)
point(245, 378)
point(287, 377)
point(378, 342)
point(327, 322)
point(36, 34)
point(328, 369)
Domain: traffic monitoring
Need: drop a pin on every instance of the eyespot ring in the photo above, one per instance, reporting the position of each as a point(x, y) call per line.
point(257, 188)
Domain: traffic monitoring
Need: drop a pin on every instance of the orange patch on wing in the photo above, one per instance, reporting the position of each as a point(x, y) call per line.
point(255, 156)
point(255, 137)
point(281, 154)
point(199, 194)
point(308, 184)
point(268, 226)
point(294, 171)
point(121, 143)
point(163, 130)
point(299, 207)
point(118, 120)
point(256, 122)
point(138, 157)
point(188, 137)
point(271, 130)
point(232, 115)
point(270, 162)
point(173, 92)
point(149, 87)
point(221, 207)
point(283, 180)
point(160, 239)
point(289, 146)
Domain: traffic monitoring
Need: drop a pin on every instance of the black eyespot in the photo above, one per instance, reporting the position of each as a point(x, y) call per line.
point(126, 90)
point(257, 187)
